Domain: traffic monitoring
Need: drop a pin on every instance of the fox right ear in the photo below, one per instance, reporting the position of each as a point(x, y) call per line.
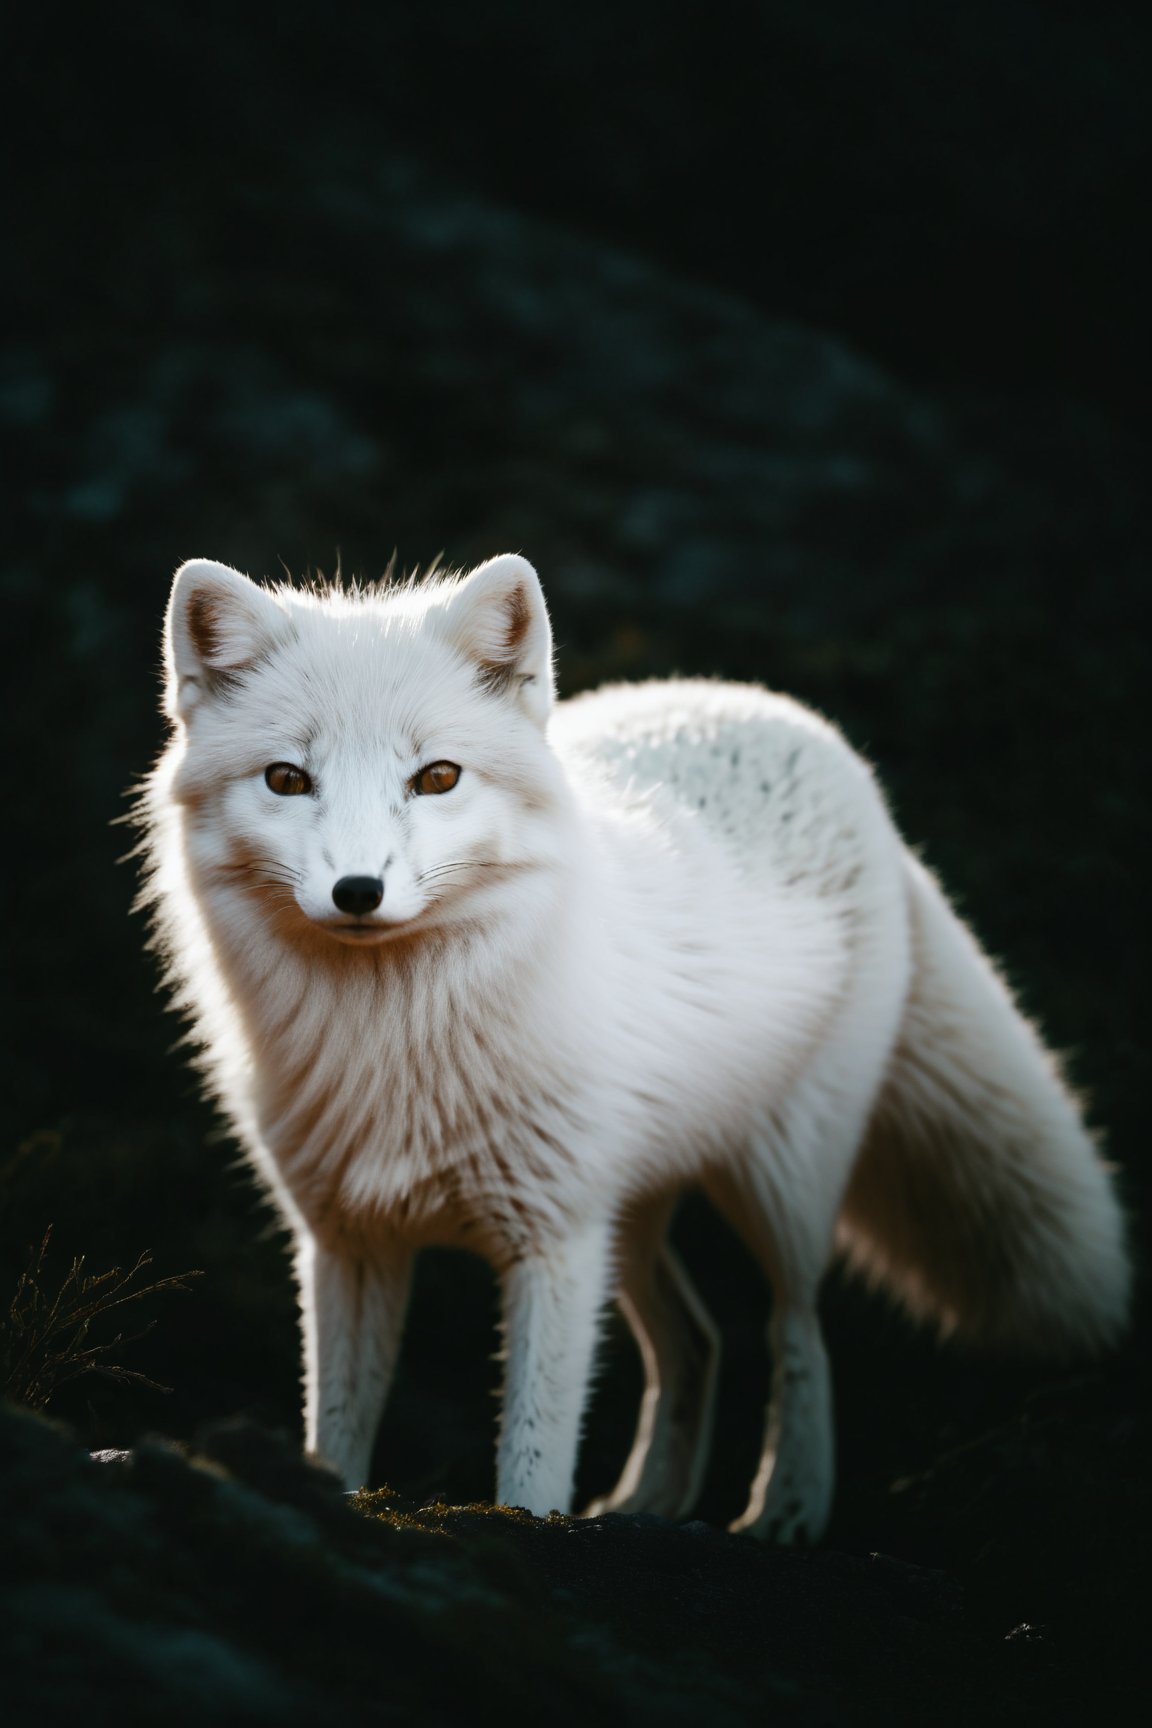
point(218, 623)
point(498, 619)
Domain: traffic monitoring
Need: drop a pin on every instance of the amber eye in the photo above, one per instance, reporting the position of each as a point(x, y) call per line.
point(437, 777)
point(287, 780)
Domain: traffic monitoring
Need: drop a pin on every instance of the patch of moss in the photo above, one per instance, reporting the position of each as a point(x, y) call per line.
point(440, 1518)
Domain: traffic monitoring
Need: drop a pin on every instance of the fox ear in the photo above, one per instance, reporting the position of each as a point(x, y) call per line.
point(497, 618)
point(218, 623)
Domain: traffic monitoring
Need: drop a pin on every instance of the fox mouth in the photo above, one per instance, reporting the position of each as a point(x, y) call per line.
point(362, 932)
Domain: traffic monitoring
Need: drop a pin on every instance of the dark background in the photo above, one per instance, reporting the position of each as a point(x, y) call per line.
point(804, 343)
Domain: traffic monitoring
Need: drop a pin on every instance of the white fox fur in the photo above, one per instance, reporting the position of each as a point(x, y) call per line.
point(659, 936)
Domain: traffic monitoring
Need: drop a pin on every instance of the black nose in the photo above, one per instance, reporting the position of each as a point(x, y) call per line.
point(358, 894)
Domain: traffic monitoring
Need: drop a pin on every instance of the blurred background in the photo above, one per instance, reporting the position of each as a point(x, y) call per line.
point(798, 342)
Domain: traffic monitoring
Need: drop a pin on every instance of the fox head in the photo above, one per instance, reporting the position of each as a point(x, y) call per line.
point(368, 762)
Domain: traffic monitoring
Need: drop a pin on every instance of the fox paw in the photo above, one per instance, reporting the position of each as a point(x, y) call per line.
point(660, 1498)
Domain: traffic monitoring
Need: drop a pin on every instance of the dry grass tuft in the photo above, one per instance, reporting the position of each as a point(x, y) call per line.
point(46, 1339)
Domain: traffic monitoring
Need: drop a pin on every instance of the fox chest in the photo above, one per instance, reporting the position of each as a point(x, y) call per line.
point(464, 1156)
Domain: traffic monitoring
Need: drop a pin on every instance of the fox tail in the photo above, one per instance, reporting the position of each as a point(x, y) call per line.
point(980, 1200)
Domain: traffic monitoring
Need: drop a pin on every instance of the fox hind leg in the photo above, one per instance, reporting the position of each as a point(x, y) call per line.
point(791, 1495)
point(679, 1347)
point(783, 1196)
point(783, 1193)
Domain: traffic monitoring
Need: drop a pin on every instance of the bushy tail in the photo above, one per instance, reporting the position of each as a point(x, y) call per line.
point(980, 1200)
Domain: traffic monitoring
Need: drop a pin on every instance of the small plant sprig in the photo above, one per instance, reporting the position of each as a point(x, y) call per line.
point(45, 1339)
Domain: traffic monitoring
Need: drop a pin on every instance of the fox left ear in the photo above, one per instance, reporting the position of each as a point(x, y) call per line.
point(497, 617)
point(218, 624)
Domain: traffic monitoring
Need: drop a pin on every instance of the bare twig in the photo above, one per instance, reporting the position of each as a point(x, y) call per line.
point(45, 1339)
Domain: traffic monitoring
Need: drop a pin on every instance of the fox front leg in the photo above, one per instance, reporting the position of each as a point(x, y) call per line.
point(352, 1311)
point(553, 1299)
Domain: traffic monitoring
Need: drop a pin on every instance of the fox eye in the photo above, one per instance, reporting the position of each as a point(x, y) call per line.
point(437, 777)
point(287, 780)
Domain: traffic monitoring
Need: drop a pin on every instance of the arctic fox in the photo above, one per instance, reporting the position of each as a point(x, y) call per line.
point(471, 968)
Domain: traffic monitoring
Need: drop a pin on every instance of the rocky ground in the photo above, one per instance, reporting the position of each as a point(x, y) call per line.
point(229, 1582)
